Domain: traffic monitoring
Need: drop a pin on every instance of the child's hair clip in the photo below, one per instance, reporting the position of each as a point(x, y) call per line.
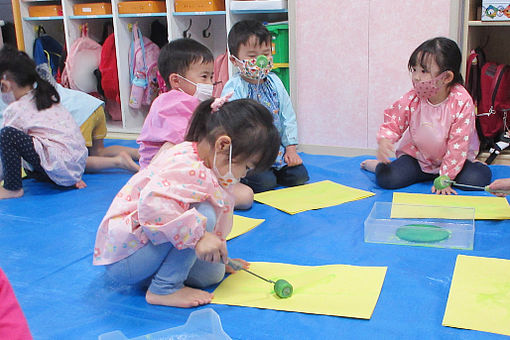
point(218, 102)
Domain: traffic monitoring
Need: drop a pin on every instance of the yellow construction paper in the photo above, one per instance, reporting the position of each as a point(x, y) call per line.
point(486, 207)
point(339, 290)
point(243, 225)
point(479, 296)
point(311, 196)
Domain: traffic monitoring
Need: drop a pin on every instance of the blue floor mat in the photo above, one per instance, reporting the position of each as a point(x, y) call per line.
point(48, 235)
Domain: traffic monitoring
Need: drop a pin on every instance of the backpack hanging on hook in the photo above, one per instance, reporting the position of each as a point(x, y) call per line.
point(47, 50)
point(143, 69)
point(82, 60)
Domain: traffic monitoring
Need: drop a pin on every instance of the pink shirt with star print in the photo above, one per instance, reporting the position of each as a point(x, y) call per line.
point(155, 206)
point(441, 137)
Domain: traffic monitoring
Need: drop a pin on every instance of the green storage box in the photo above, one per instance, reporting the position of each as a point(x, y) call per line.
point(280, 42)
point(283, 74)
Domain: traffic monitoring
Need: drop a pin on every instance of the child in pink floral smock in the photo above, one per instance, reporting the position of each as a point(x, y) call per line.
point(36, 128)
point(435, 123)
point(170, 221)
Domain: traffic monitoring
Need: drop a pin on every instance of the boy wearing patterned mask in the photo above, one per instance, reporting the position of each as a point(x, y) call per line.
point(249, 44)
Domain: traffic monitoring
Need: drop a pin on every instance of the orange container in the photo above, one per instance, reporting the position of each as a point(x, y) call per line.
point(130, 7)
point(199, 5)
point(96, 8)
point(45, 11)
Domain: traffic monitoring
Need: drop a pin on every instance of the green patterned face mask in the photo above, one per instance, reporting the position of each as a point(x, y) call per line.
point(255, 68)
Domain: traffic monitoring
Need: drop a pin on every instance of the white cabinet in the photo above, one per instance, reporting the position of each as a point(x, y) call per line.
point(210, 28)
point(491, 36)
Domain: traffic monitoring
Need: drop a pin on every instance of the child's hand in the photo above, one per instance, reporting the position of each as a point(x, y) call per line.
point(291, 156)
point(230, 270)
point(384, 150)
point(500, 184)
point(211, 248)
point(446, 191)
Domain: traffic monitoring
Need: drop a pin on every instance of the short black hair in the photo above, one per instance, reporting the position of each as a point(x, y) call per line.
point(445, 52)
point(242, 31)
point(179, 54)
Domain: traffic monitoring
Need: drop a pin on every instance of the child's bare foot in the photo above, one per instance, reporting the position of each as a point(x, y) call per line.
point(4, 193)
point(80, 184)
point(124, 161)
point(369, 164)
point(185, 297)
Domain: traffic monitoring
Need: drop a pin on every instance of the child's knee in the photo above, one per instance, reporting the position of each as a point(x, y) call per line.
point(206, 209)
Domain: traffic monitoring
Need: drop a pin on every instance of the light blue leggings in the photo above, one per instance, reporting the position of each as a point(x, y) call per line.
point(169, 267)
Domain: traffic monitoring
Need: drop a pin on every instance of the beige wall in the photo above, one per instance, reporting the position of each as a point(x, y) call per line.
point(351, 63)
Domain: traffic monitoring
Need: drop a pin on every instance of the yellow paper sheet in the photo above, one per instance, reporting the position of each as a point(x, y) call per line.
point(339, 290)
point(479, 296)
point(311, 196)
point(243, 225)
point(486, 207)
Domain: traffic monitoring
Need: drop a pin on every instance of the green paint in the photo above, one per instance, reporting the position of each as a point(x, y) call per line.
point(422, 233)
point(499, 298)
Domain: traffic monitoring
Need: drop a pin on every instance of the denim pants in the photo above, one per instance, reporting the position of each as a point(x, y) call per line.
point(169, 267)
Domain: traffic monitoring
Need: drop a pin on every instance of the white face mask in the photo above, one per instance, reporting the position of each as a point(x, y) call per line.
point(203, 91)
point(8, 97)
point(227, 180)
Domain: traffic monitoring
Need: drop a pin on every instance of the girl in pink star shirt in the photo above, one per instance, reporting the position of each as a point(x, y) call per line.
point(435, 124)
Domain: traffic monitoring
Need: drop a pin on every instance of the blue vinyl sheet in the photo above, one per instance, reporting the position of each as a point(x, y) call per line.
point(47, 239)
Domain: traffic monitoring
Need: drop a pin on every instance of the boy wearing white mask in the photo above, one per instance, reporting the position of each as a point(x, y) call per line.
point(249, 44)
point(187, 67)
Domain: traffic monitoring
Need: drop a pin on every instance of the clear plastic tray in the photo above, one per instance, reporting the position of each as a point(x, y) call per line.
point(203, 324)
point(457, 232)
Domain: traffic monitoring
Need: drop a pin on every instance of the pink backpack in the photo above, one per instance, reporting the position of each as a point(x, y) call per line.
point(143, 69)
point(82, 60)
point(220, 74)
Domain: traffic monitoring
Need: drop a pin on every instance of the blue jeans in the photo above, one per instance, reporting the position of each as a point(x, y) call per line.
point(287, 176)
point(169, 267)
point(406, 170)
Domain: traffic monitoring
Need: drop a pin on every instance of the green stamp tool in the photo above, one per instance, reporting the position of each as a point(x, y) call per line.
point(282, 288)
point(443, 182)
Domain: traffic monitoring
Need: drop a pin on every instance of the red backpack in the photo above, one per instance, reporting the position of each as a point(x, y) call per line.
point(489, 85)
point(495, 88)
point(110, 77)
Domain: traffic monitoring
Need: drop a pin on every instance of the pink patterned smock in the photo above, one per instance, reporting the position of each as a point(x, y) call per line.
point(154, 206)
point(56, 137)
point(441, 137)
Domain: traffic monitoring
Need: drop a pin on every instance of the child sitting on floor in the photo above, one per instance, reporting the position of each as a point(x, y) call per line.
point(36, 128)
point(249, 42)
point(435, 123)
point(170, 221)
point(88, 112)
point(187, 68)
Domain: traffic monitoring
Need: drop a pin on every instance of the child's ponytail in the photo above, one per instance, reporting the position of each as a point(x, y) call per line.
point(197, 129)
point(18, 67)
point(45, 94)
